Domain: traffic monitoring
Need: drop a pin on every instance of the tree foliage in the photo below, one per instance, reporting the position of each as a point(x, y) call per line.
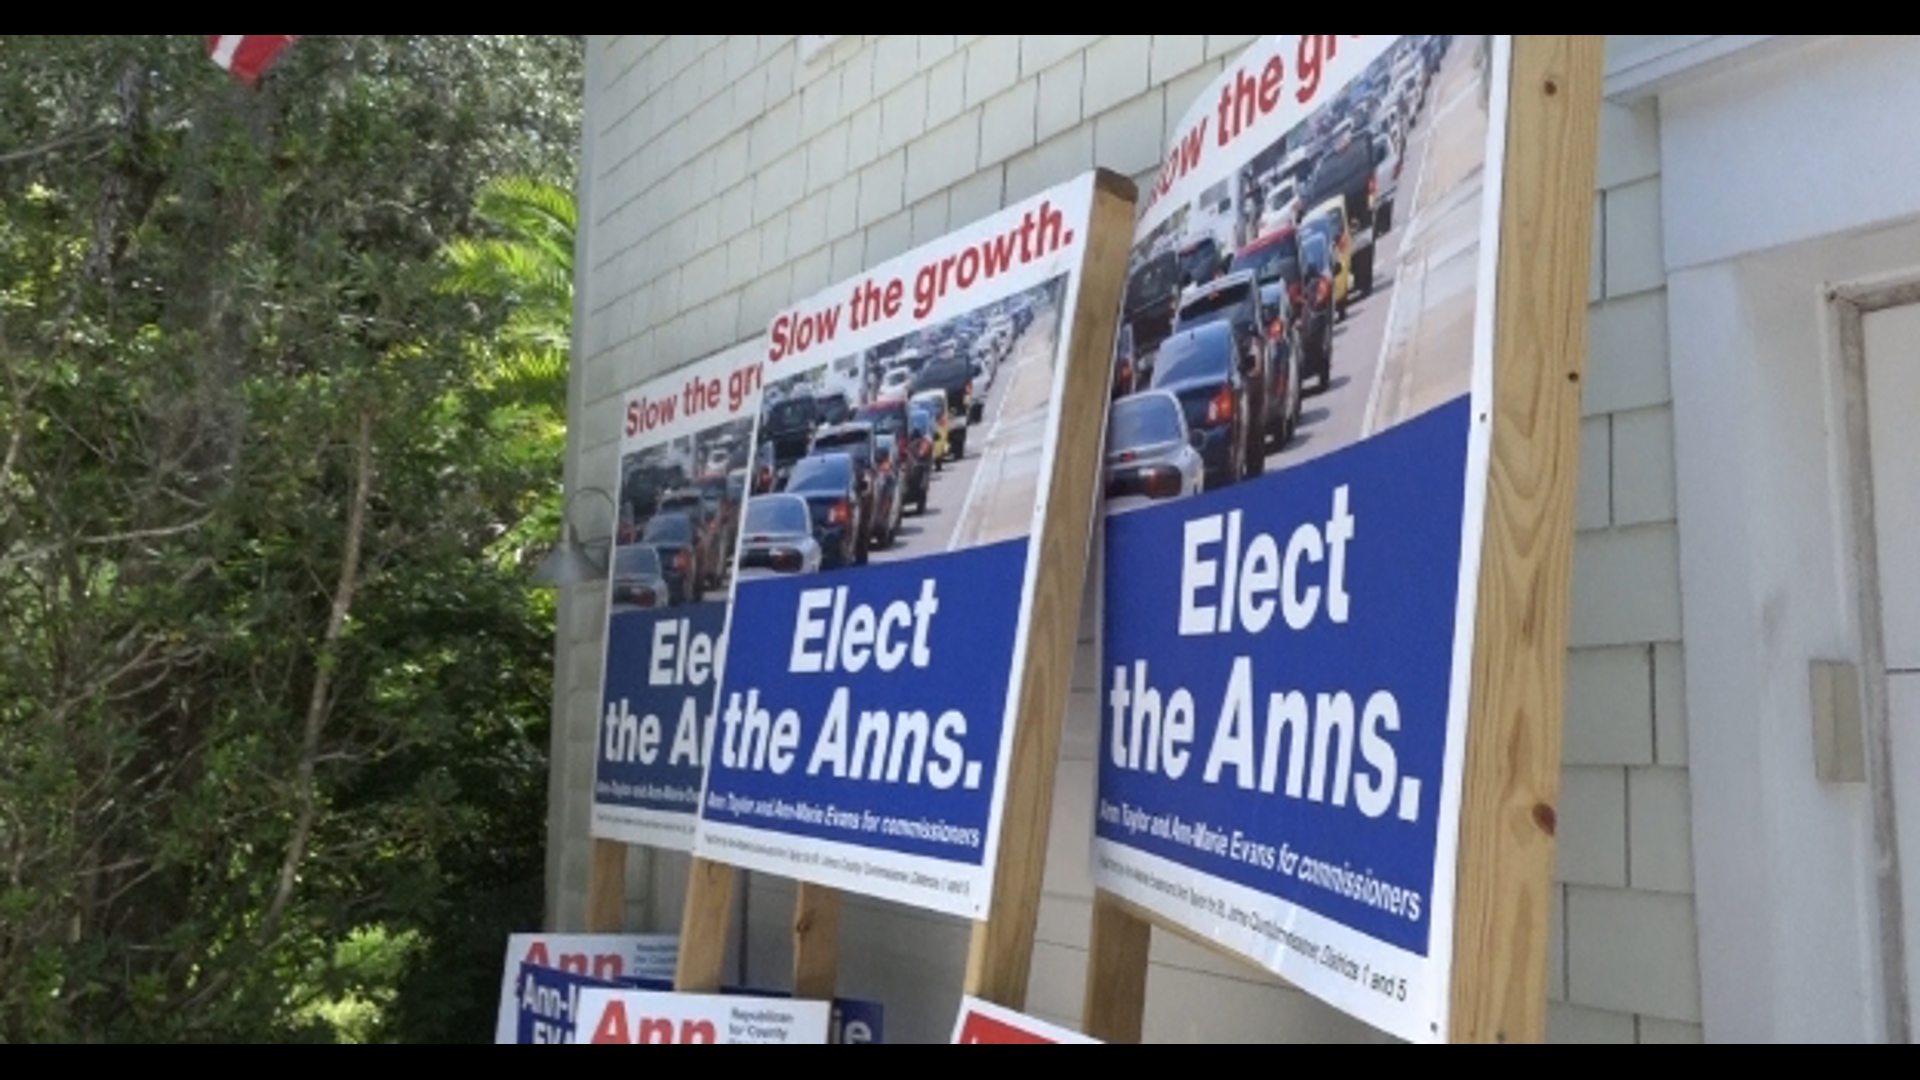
point(278, 421)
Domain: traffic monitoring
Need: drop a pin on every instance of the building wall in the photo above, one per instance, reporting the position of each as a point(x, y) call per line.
point(723, 177)
point(1756, 243)
point(1626, 966)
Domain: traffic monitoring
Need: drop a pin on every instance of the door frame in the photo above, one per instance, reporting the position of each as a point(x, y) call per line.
point(1848, 306)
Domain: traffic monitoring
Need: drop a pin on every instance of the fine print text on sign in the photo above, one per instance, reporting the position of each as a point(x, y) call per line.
point(1295, 483)
point(648, 1016)
point(853, 1021)
point(687, 468)
point(910, 416)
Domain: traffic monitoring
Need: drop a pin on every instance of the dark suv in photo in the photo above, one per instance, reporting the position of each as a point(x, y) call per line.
point(788, 427)
point(831, 486)
point(879, 487)
point(1201, 367)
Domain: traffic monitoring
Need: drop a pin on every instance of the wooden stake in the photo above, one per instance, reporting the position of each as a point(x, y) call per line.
point(607, 887)
point(1512, 779)
point(1001, 951)
point(1116, 1000)
point(816, 941)
point(702, 964)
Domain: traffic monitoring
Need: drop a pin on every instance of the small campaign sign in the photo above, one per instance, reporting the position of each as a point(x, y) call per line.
point(882, 601)
point(853, 1020)
point(687, 468)
point(548, 1002)
point(650, 1016)
point(984, 1022)
point(605, 959)
point(1288, 606)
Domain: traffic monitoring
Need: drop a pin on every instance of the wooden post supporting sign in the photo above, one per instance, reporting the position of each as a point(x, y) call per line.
point(607, 887)
point(1507, 817)
point(1001, 951)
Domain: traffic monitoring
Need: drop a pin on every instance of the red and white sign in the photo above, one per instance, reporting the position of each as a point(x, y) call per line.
point(658, 1016)
point(985, 1022)
point(247, 56)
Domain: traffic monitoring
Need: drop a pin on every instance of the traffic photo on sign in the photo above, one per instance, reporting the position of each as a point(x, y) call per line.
point(1359, 231)
point(939, 430)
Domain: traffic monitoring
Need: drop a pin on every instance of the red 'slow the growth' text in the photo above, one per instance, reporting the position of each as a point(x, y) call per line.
point(1039, 233)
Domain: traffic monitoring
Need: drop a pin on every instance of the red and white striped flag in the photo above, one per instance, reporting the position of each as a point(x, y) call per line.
point(247, 56)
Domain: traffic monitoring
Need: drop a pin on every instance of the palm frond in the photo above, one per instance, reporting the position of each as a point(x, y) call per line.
point(525, 266)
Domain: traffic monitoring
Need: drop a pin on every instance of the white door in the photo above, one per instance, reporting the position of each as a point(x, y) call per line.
point(1892, 340)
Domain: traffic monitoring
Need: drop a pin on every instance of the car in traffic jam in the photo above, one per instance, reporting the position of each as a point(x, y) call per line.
point(1202, 367)
point(1150, 452)
point(710, 552)
point(1234, 301)
point(893, 421)
point(830, 484)
point(777, 537)
point(952, 375)
point(878, 486)
point(787, 425)
point(675, 539)
point(637, 577)
point(1275, 259)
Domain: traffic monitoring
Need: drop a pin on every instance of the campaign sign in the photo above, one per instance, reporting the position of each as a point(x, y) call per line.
point(549, 999)
point(852, 1021)
point(880, 610)
point(650, 1016)
point(1296, 470)
point(686, 469)
point(984, 1022)
point(597, 958)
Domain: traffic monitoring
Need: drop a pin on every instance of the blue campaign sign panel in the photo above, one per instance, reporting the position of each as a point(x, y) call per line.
point(654, 709)
point(878, 629)
point(686, 470)
point(1276, 677)
point(898, 754)
point(1296, 478)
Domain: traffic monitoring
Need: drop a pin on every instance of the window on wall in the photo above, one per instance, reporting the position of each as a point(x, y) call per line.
point(812, 44)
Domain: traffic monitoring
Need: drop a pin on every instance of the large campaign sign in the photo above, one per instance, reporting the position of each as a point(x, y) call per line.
point(880, 609)
point(1296, 470)
point(686, 469)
